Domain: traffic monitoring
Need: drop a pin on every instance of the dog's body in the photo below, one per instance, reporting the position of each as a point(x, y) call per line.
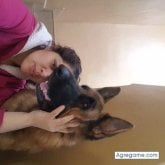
point(85, 103)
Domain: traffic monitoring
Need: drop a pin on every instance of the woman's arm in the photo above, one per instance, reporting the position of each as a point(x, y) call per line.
point(40, 119)
point(14, 121)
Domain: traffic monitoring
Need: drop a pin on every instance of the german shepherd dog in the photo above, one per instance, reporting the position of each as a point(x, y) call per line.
point(85, 103)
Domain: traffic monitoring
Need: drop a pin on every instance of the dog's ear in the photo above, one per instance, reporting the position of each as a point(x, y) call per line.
point(106, 126)
point(108, 92)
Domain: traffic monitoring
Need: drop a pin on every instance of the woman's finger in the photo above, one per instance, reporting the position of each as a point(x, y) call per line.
point(67, 130)
point(66, 118)
point(69, 125)
point(57, 111)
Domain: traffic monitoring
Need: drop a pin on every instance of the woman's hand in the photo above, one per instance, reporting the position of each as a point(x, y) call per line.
point(49, 122)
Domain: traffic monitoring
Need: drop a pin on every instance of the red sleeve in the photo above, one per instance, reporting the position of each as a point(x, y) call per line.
point(16, 25)
point(1, 115)
point(9, 85)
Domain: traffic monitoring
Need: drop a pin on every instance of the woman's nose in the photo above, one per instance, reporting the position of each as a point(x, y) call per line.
point(45, 72)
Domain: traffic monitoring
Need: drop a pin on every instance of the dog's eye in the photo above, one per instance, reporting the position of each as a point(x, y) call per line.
point(86, 106)
point(85, 87)
point(86, 102)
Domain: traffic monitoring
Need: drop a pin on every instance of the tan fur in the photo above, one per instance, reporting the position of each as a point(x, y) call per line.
point(94, 124)
point(34, 139)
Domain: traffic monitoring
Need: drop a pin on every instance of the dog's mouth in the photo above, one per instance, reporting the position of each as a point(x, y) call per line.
point(42, 92)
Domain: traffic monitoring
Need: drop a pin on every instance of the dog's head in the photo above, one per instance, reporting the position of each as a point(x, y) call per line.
point(60, 89)
point(85, 103)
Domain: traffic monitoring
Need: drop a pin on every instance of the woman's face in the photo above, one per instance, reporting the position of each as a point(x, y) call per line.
point(38, 65)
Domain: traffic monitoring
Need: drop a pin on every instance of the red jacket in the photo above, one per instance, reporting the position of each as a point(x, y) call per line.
point(16, 25)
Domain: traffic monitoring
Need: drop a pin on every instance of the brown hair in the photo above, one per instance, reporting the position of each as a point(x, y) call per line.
point(69, 56)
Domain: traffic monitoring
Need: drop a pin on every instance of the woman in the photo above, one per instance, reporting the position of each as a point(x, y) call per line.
point(26, 54)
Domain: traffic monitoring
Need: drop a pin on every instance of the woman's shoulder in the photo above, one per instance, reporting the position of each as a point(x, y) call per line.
point(17, 23)
point(15, 17)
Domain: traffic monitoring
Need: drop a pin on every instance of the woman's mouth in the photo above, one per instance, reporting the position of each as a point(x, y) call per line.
point(33, 70)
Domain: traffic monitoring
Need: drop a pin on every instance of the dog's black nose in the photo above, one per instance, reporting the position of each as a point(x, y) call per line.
point(63, 72)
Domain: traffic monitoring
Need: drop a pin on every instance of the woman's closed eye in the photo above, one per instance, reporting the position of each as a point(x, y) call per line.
point(54, 65)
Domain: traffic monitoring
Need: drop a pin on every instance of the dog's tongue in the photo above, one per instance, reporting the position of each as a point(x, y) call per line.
point(44, 88)
point(44, 85)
